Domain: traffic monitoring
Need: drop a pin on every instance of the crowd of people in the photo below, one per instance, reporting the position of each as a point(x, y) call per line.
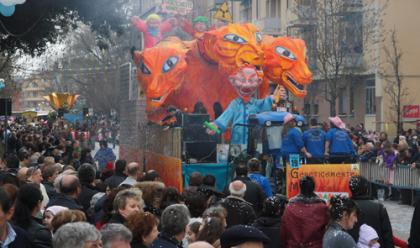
point(53, 193)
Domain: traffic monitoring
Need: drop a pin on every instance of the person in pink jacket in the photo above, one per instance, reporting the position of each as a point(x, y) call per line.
point(153, 28)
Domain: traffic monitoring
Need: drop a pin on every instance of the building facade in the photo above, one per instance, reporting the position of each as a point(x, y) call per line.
point(33, 90)
point(361, 98)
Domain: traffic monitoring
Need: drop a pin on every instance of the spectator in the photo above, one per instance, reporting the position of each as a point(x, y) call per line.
point(28, 206)
point(369, 154)
point(86, 175)
point(254, 166)
point(104, 155)
point(314, 141)
point(305, 210)
point(49, 215)
point(292, 141)
point(13, 237)
point(195, 201)
point(343, 212)
point(243, 236)
point(126, 202)
point(77, 235)
point(254, 193)
point(210, 231)
point(192, 230)
point(338, 145)
point(239, 211)
point(49, 174)
point(12, 161)
point(196, 180)
point(151, 175)
point(67, 216)
point(200, 244)
point(116, 236)
point(371, 213)
point(389, 158)
point(119, 176)
point(368, 238)
point(69, 191)
point(174, 221)
point(270, 219)
point(143, 225)
point(170, 196)
point(34, 176)
point(133, 171)
point(152, 195)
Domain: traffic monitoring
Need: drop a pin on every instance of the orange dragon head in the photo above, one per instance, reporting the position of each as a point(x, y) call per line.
point(233, 46)
point(160, 72)
point(286, 63)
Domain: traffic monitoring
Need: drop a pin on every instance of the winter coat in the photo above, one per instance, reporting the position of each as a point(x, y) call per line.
point(165, 241)
point(414, 240)
point(335, 237)
point(304, 222)
point(49, 187)
point(65, 201)
point(38, 234)
point(270, 226)
point(373, 214)
point(115, 180)
point(239, 211)
point(21, 239)
point(86, 194)
point(254, 194)
point(137, 244)
point(117, 218)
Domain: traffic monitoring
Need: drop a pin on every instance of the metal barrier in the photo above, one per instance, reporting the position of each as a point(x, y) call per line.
point(402, 177)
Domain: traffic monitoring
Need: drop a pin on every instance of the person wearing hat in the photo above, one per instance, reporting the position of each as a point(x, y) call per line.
point(338, 145)
point(292, 140)
point(243, 236)
point(153, 28)
point(197, 28)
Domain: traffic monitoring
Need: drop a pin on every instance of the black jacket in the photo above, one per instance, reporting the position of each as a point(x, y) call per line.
point(137, 244)
point(49, 187)
point(86, 194)
point(115, 180)
point(414, 239)
point(21, 239)
point(254, 194)
point(239, 212)
point(64, 201)
point(270, 226)
point(38, 234)
point(373, 214)
point(117, 219)
point(165, 241)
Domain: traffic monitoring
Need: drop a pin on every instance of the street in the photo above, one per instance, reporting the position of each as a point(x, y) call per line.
point(400, 217)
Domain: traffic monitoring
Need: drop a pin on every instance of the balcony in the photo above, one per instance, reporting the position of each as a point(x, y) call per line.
point(270, 25)
point(353, 61)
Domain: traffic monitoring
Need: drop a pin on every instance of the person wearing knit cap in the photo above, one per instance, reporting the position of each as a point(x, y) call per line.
point(153, 28)
point(243, 236)
point(197, 28)
point(50, 213)
point(368, 238)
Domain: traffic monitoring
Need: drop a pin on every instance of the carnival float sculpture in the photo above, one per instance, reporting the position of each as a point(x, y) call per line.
point(181, 74)
point(62, 101)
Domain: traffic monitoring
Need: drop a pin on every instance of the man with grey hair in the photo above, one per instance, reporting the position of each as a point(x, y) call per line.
point(133, 171)
point(70, 189)
point(77, 235)
point(174, 221)
point(239, 211)
point(116, 236)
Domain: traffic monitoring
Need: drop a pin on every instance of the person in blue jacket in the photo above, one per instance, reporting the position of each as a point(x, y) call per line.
point(338, 145)
point(254, 166)
point(292, 141)
point(314, 141)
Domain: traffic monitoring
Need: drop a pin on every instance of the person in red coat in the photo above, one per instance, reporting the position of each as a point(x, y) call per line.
point(305, 219)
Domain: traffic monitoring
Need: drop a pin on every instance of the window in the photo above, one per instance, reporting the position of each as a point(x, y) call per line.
point(271, 8)
point(307, 109)
point(315, 108)
point(351, 99)
point(370, 98)
point(246, 11)
point(353, 30)
point(341, 99)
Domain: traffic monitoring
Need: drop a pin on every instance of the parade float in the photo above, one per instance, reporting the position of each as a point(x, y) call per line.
point(211, 93)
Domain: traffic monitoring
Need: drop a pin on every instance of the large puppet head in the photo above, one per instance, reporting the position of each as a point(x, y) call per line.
point(286, 63)
point(160, 72)
point(245, 81)
point(233, 46)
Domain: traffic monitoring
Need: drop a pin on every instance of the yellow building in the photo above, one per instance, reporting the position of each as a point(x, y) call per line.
point(34, 89)
point(363, 99)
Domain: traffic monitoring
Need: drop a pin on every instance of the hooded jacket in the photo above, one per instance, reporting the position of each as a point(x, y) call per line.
point(304, 222)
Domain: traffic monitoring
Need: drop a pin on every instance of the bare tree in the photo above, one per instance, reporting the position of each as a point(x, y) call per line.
point(394, 88)
point(337, 33)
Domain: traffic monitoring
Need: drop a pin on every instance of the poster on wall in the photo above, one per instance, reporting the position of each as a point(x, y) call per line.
point(411, 111)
